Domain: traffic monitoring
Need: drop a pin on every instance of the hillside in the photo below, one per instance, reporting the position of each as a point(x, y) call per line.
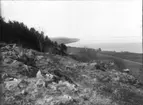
point(121, 62)
point(136, 57)
point(64, 40)
point(19, 33)
point(30, 77)
point(134, 67)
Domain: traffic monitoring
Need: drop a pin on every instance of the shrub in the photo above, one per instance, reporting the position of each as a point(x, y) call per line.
point(85, 55)
point(119, 63)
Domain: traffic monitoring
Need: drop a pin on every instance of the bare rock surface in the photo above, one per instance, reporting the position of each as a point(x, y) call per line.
point(33, 78)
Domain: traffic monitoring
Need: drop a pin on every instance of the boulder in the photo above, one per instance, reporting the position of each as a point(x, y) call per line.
point(39, 75)
point(9, 85)
point(126, 70)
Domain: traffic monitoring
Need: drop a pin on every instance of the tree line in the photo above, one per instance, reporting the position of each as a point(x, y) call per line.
point(19, 33)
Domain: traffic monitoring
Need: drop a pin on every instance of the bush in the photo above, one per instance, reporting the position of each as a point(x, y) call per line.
point(119, 63)
point(85, 55)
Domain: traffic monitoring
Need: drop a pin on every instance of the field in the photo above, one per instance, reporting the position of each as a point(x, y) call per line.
point(136, 57)
point(133, 66)
point(132, 61)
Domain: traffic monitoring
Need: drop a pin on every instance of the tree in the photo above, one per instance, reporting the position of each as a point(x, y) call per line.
point(19, 33)
point(63, 47)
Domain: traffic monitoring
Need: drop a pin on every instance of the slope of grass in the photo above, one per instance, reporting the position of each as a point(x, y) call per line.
point(136, 57)
point(135, 67)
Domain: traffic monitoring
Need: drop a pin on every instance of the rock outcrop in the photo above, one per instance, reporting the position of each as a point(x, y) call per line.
point(34, 78)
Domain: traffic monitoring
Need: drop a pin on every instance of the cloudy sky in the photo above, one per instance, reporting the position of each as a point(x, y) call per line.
point(96, 21)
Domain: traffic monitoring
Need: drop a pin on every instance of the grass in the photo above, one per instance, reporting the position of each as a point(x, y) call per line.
point(133, 66)
point(122, 60)
point(136, 57)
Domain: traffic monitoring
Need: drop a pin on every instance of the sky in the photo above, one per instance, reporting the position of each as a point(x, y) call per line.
point(99, 21)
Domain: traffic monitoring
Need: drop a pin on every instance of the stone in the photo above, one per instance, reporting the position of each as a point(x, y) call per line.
point(39, 75)
point(12, 84)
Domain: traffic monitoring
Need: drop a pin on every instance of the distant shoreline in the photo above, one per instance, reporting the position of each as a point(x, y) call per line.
point(118, 47)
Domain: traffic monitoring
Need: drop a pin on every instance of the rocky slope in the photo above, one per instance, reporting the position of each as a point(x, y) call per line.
point(34, 78)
